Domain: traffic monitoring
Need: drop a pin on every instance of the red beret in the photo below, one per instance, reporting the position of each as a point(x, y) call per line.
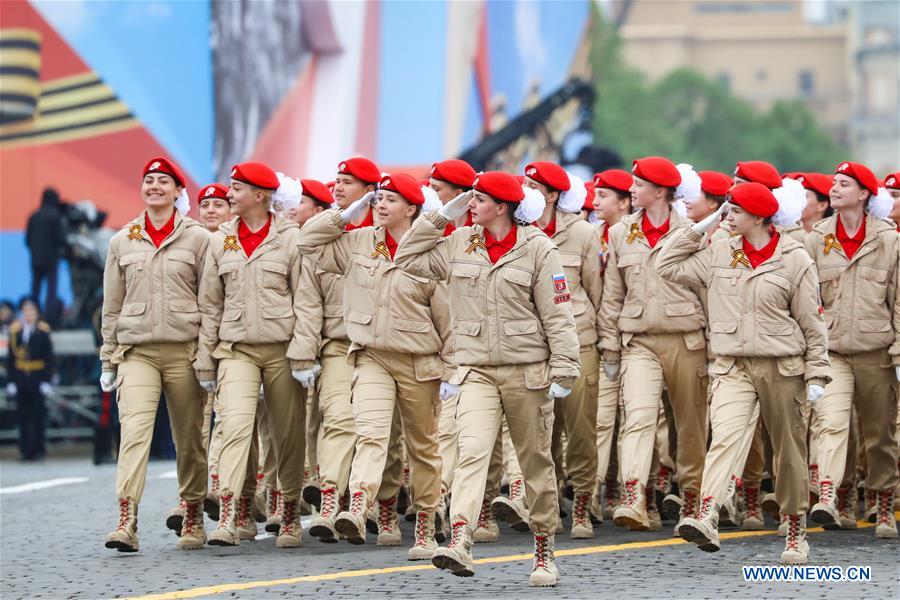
point(550, 174)
point(405, 185)
point(817, 182)
point(213, 190)
point(657, 170)
point(499, 186)
point(892, 181)
point(715, 183)
point(255, 173)
point(455, 171)
point(755, 198)
point(330, 186)
point(614, 179)
point(361, 168)
point(792, 175)
point(760, 172)
point(861, 173)
point(164, 165)
point(589, 199)
point(317, 190)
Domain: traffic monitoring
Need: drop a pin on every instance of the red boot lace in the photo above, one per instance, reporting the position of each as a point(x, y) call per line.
point(226, 503)
point(826, 492)
point(215, 485)
point(689, 508)
point(515, 489)
point(885, 507)
point(580, 509)
point(662, 479)
point(356, 503)
point(288, 512)
point(385, 513)
point(611, 494)
point(705, 508)
point(190, 518)
point(814, 475)
point(631, 492)
point(793, 533)
point(843, 500)
point(484, 517)
point(329, 498)
point(540, 551)
point(457, 535)
point(751, 501)
point(421, 529)
point(243, 512)
point(272, 507)
point(124, 513)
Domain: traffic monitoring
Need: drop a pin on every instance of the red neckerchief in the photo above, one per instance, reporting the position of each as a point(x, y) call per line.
point(651, 233)
point(157, 236)
point(497, 248)
point(550, 229)
point(850, 244)
point(390, 243)
point(250, 240)
point(758, 257)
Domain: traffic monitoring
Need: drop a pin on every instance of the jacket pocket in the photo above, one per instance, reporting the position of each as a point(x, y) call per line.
point(518, 277)
point(874, 325)
point(228, 273)
point(829, 284)
point(358, 317)
point(776, 328)
point(522, 327)
point(364, 270)
point(413, 325)
point(333, 311)
point(537, 375)
point(875, 285)
point(274, 276)
point(460, 375)
point(695, 340)
point(680, 309)
point(133, 309)
point(277, 312)
point(726, 282)
point(183, 306)
point(468, 327)
point(722, 365)
point(428, 367)
point(133, 265)
point(464, 279)
point(632, 311)
point(723, 326)
point(232, 314)
point(790, 366)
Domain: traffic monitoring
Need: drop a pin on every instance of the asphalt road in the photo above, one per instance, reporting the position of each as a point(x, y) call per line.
point(51, 546)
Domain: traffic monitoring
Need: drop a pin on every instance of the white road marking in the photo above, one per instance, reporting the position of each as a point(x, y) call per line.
point(40, 485)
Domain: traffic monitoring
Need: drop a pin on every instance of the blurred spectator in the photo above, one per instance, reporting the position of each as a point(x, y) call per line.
point(45, 238)
point(29, 365)
point(7, 315)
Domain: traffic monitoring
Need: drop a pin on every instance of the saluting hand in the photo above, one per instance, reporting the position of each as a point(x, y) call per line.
point(709, 222)
point(356, 209)
point(456, 207)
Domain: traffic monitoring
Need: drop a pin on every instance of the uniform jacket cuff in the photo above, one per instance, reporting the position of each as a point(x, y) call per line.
point(205, 375)
point(302, 365)
point(823, 381)
point(566, 382)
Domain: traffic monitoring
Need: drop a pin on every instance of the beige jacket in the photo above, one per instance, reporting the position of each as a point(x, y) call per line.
point(637, 300)
point(150, 293)
point(860, 295)
point(771, 311)
point(516, 311)
point(249, 300)
point(385, 308)
point(579, 249)
point(321, 298)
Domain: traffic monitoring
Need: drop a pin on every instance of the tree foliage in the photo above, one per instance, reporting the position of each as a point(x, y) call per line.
point(690, 118)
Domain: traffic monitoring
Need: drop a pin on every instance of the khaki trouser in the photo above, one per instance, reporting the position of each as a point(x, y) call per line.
point(666, 438)
point(782, 403)
point(268, 464)
point(648, 362)
point(447, 441)
point(867, 381)
point(206, 425)
point(239, 378)
point(148, 371)
point(392, 478)
point(499, 457)
point(510, 459)
point(487, 394)
point(338, 436)
point(580, 415)
point(313, 438)
point(755, 464)
point(385, 382)
point(558, 442)
point(607, 432)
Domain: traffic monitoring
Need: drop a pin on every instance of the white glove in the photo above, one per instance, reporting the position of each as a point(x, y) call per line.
point(46, 388)
point(814, 392)
point(897, 373)
point(612, 370)
point(208, 384)
point(708, 222)
point(108, 381)
point(558, 391)
point(356, 209)
point(307, 377)
point(448, 390)
point(11, 389)
point(456, 207)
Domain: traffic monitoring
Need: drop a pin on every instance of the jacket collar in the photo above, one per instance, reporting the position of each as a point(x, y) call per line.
point(273, 238)
point(137, 227)
point(636, 218)
point(785, 246)
point(874, 228)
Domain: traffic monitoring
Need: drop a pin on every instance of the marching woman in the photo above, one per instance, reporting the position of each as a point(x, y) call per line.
point(856, 253)
point(579, 249)
point(247, 340)
point(612, 201)
point(397, 324)
point(769, 339)
point(517, 346)
point(150, 326)
point(657, 328)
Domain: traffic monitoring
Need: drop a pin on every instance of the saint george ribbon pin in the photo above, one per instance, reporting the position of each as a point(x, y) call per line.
point(134, 232)
point(739, 258)
point(475, 241)
point(231, 243)
point(381, 249)
point(831, 243)
point(635, 232)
